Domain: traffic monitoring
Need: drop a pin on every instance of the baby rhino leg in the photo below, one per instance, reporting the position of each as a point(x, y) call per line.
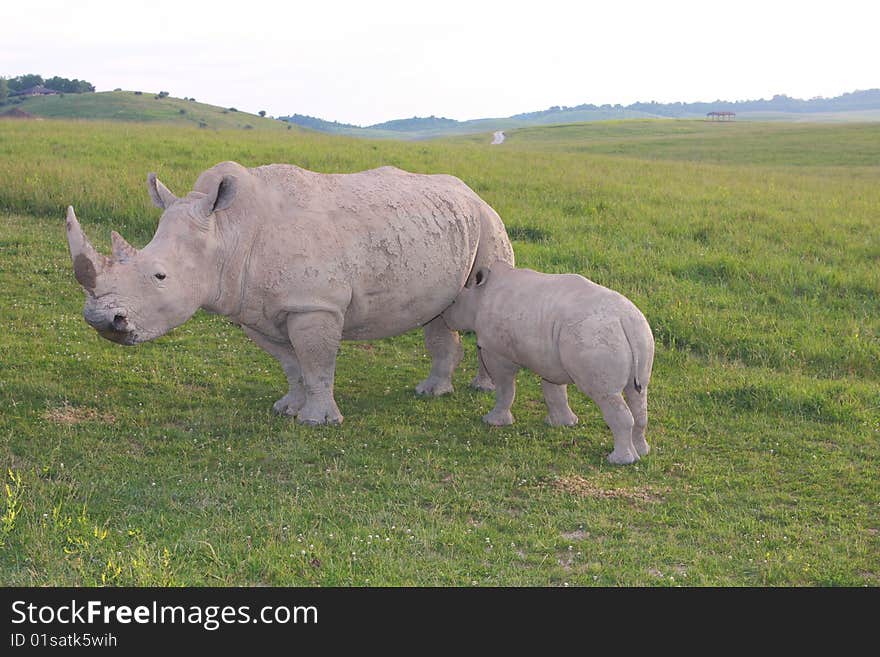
point(559, 413)
point(503, 373)
point(598, 358)
point(619, 418)
point(638, 406)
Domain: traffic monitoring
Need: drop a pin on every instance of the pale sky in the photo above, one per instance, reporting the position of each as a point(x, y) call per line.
point(375, 60)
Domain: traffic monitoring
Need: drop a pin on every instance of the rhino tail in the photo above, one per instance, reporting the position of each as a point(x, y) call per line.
point(636, 347)
point(493, 245)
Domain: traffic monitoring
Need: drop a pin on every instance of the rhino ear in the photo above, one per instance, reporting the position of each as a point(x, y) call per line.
point(220, 196)
point(160, 194)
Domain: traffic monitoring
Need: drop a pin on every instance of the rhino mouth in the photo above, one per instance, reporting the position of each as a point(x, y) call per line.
point(127, 338)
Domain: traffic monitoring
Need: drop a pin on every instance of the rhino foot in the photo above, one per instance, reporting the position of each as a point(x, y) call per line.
point(319, 413)
point(642, 447)
point(623, 457)
point(434, 387)
point(482, 383)
point(288, 405)
point(498, 418)
point(561, 419)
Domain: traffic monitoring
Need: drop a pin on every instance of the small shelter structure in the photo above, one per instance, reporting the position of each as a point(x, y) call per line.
point(39, 90)
point(721, 116)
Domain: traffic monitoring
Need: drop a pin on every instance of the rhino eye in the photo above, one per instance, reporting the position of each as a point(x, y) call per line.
point(160, 276)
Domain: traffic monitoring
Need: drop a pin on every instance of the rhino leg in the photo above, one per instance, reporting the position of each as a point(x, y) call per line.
point(482, 381)
point(559, 413)
point(617, 415)
point(638, 406)
point(619, 418)
point(315, 338)
point(503, 372)
point(295, 398)
point(598, 359)
point(444, 346)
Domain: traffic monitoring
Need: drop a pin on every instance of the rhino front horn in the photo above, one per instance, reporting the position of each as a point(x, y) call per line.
point(87, 263)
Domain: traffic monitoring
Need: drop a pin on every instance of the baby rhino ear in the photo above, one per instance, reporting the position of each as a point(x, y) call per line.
point(477, 278)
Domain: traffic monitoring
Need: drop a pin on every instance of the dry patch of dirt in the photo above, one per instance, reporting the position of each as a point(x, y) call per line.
point(578, 486)
point(566, 560)
point(67, 414)
point(576, 535)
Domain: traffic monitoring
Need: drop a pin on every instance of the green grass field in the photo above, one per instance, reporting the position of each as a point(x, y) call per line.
point(753, 250)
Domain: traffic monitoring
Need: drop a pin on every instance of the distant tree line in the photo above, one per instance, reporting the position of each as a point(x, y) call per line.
point(401, 125)
point(857, 100)
point(315, 123)
point(63, 85)
point(416, 123)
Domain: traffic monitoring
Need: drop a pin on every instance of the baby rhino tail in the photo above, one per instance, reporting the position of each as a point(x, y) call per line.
point(641, 344)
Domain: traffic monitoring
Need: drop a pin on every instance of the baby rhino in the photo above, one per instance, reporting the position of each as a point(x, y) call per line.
point(568, 330)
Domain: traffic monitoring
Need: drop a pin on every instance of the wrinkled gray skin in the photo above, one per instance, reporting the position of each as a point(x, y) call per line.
point(300, 260)
point(568, 330)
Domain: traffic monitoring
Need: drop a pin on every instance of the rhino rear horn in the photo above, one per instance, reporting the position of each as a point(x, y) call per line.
point(87, 262)
point(159, 193)
point(121, 249)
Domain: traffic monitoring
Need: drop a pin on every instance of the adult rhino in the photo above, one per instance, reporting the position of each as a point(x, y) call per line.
point(300, 260)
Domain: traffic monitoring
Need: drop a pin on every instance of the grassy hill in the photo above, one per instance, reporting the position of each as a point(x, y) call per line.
point(858, 106)
point(432, 127)
point(752, 249)
point(418, 128)
point(146, 107)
